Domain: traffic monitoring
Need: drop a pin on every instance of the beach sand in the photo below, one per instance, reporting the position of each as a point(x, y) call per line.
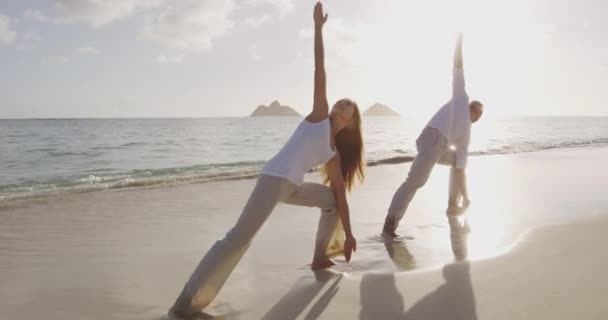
point(535, 249)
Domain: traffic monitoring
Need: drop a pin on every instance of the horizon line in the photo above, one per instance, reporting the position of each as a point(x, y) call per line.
point(300, 116)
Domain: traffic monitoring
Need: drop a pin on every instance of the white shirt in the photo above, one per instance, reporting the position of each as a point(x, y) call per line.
point(308, 147)
point(453, 120)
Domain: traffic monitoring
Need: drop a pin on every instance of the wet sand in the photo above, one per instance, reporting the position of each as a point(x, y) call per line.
point(125, 254)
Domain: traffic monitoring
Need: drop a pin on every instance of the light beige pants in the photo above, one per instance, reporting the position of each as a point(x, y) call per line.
point(215, 267)
point(432, 148)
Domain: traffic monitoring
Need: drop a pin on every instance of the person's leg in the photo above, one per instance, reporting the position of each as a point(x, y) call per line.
point(457, 204)
point(213, 270)
point(431, 144)
point(454, 191)
point(453, 195)
point(448, 158)
point(319, 196)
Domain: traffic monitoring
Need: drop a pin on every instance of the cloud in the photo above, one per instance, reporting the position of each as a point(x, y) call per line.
point(343, 43)
point(88, 51)
point(548, 28)
point(254, 54)
point(190, 24)
point(25, 40)
point(99, 13)
point(23, 47)
point(257, 21)
point(57, 59)
point(335, 29)
point(283, 7)
point(29, 36)
point(178, 58)
point(356, 44)
point(7, 35)
point(35, 15)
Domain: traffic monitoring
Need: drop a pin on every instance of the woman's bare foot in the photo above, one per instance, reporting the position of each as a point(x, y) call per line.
point(321, 264)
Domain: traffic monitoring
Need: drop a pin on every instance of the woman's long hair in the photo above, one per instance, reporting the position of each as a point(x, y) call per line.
point(349, 144)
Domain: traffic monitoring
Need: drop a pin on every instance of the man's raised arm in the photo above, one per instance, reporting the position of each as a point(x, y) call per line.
point(458, 80)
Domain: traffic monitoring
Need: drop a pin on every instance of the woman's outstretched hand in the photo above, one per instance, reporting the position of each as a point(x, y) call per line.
point(318, 15)
point(350, 246)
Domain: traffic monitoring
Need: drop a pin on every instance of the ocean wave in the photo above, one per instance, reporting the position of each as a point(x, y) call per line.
point(522, 148)
point(106, 179)
point(531, 147)
point(59, 153)
point(391, 160)
point(135, 178)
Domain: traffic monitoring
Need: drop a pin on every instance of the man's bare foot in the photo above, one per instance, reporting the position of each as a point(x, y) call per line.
point(174, 315)
point(389, 228)
point(455, 211)
point(389, 235)
point(321, 264)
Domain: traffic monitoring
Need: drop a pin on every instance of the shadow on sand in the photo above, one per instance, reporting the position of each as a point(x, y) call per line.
point(380, 298)
point(454, 300)
point(302, 294)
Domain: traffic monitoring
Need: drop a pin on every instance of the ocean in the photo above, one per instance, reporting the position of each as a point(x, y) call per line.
point(40, 158)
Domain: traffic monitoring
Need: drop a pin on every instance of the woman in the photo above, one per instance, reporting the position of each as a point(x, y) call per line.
point(332, 139)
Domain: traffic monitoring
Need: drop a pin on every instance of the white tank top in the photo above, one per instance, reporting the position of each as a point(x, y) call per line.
point(308, 147)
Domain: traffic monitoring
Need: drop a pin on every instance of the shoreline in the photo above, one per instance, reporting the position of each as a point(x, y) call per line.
point(519, 241)
point(517, 285)
point(11, 200)
point(125, 253)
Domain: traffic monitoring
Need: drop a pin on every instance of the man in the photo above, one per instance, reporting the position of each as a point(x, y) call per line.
point(444, 140)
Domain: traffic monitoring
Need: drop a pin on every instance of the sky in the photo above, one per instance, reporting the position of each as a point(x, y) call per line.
point(216, 58)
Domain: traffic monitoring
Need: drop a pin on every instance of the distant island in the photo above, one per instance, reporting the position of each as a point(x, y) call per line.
point(380, 110)
point(275, 109)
